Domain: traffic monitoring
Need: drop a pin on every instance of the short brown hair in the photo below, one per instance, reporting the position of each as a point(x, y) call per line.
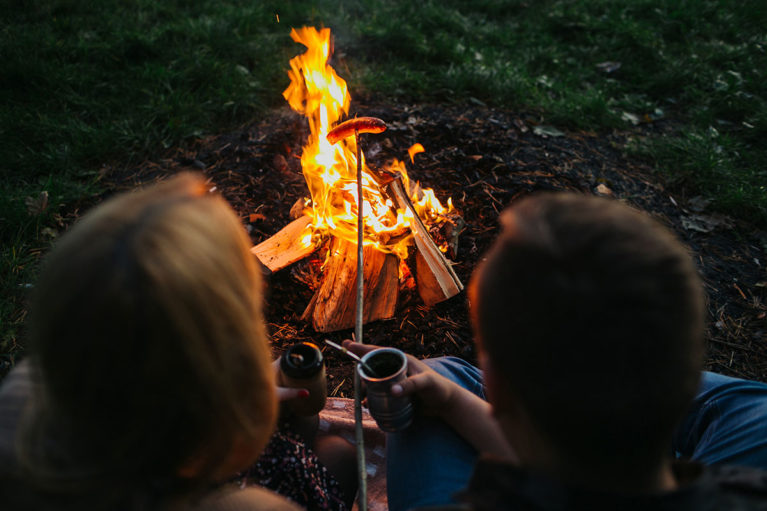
point(148, 337)
point(595, 313)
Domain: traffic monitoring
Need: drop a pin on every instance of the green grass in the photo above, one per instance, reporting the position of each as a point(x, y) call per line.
point(85, 84)
point(701, 64)
point(90, 83)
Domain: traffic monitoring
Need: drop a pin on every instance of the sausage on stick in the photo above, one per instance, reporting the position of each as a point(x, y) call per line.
point(348, 128)
point(356, 125)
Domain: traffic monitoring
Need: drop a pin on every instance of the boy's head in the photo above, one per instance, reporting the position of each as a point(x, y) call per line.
point(591, 315)
point(148, 335)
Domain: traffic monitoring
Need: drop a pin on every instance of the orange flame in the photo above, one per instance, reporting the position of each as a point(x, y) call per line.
point(330, 171)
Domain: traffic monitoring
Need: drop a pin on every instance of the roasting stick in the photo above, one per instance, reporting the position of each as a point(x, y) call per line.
point(362, 499)
point(343, 130)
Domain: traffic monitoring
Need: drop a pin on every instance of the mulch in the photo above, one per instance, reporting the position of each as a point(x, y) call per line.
point(485, 159)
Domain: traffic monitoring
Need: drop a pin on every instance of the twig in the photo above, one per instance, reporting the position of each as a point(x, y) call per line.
point(343, 350)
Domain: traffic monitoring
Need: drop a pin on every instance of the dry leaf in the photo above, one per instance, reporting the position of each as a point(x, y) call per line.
point(706, 223)
point(632, 118)
point(548, 131)
point(603, 190)
point(698, 203)
point(50, 233)
point(609, 66)
point(37, 206)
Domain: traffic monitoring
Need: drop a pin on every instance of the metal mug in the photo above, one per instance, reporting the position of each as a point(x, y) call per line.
point(302, 366)
point(391, 413)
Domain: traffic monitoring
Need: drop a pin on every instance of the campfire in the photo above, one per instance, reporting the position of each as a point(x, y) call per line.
point(406, 228)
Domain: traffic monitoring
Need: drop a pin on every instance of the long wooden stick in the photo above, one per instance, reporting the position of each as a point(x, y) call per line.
point(362, 496)
point(360, 251)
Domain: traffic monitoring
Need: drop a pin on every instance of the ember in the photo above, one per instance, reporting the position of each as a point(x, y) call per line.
point(396, 211)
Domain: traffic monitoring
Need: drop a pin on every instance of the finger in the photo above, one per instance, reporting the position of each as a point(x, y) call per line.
point(414, 384)
point(357, 348)
point(288, 393)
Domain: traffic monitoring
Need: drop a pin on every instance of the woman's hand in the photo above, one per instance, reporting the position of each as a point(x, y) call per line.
point(287, 393)
point(434, 391)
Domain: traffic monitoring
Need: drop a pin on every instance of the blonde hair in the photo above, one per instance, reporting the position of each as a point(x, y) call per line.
point(149, 342)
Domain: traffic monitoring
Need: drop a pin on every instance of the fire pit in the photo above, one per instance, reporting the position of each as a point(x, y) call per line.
point(401, 219)
point(486, 158)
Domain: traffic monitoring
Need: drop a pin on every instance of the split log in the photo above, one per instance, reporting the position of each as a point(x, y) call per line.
point(285, 247)
point(333, 305)
point(435, 277)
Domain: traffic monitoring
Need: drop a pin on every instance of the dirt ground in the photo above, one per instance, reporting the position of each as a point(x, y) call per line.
point(485, 159)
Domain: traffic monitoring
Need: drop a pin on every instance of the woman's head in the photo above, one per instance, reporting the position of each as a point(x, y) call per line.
point(147, 332)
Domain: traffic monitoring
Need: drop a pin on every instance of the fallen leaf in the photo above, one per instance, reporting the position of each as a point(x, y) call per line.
point(47, 231)
point(37, 206)
point(632, 118)
point(548, 131)
point(256, 216)
point(414, 121)
point(698, 203)
point(395, 126)
point(603, 190)
point(609, 66)
point(705, 223)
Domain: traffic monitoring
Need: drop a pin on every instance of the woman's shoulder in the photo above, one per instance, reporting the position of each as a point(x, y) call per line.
point(15, 391)
point(16, 386)
point(248, 499)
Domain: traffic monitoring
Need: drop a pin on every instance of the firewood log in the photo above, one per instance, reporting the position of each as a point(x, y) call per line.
point(285, 247)
point(436, 279)
point(333, 306)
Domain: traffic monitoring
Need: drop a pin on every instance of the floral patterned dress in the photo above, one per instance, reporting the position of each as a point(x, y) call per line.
point(288, 467)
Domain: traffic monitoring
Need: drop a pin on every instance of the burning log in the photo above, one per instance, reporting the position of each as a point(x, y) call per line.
point(286, 247)
point(333, 305)
point(436, 280)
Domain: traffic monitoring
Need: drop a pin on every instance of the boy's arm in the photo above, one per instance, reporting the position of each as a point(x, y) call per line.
point(468, 414)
